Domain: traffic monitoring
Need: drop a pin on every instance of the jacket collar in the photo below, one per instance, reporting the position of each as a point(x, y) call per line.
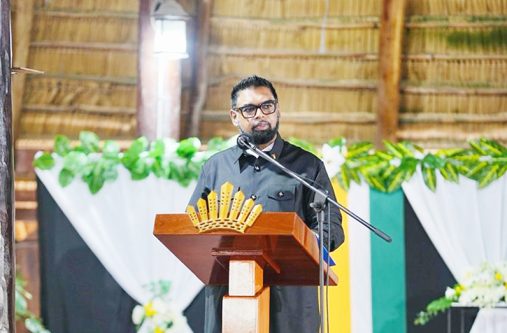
point(275, 151)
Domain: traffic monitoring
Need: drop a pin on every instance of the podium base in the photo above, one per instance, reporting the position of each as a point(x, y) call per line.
point(246, 314)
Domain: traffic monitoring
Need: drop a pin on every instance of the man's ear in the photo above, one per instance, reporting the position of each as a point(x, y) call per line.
point(234, 118)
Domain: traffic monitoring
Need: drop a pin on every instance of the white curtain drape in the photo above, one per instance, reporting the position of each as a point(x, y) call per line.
point(468, 226)
point(117, 225)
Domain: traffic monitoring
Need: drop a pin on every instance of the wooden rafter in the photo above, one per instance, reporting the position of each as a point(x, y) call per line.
point(200, 60)
point(390, 52)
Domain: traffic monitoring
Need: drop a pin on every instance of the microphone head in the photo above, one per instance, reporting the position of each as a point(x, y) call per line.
point(244, 141)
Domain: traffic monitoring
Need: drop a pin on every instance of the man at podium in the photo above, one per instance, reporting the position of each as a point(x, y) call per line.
point(255, 110)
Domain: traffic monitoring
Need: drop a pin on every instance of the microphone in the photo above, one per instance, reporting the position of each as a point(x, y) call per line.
point(244, 141)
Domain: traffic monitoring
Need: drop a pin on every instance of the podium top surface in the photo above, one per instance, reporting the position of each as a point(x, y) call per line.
point(288, 246)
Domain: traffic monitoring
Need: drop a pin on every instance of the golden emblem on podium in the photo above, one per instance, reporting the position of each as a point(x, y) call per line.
point(213, 214)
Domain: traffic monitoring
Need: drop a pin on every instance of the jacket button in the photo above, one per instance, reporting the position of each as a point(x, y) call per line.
point(253, 197)
point(280, 194)
point(257, 168)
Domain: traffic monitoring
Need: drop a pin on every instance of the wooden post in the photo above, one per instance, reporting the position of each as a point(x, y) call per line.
point(158, 84)
point(7, 268)
point(200, 84)
point(22, 31)
point(390, 48)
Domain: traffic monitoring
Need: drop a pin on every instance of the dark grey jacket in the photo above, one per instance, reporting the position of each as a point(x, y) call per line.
point(292, 309)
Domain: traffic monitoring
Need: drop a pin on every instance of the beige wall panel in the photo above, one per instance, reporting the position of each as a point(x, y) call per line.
point(98, 29)
point(229, 34)
point(110, 63)
point(295, 8)
point(458, 72)
point(51, 123)
point(43, 90)
point(457, 104)
point(457, 7)
point(90, 5)
point(323, 68)
point(457, 41)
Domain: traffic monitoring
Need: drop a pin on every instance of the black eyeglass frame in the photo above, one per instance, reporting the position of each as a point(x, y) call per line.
point(257, 107)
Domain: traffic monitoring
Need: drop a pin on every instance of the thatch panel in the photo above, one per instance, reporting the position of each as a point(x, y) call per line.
point(53, 91)
point(302, 98)
point(454, 134)
point(230, 33)
point(459, 72)
point(457, 7)
point(89, 5)
point(295, 8)
point(329, 68)
point(316, 133)
point(51, 123)
point(453, 103)
point(102, 29)
point(100, 62)
point(457, 40)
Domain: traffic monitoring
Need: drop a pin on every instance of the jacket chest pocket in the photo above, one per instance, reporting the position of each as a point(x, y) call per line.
point(281, 199)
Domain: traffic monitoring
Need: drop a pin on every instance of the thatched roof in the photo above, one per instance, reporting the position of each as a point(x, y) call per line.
point(326, 69)
point(88, 51)
point(453, 78)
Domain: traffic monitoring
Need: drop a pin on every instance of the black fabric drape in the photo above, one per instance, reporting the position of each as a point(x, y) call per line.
point(78, 295)
point(427, 276)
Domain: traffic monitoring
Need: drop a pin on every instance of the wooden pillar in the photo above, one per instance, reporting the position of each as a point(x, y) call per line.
point(7, 268)
point(200, 84)
point(158, 84)
point(390, 50)
point(22, 30)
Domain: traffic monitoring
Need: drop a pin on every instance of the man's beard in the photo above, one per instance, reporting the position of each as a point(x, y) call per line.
point(261, 137)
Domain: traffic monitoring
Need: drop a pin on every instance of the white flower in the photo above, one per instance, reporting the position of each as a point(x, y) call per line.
point(449, 293)
point(170, 147)
point(137, 314)
point(333, 158)
point(395, 162)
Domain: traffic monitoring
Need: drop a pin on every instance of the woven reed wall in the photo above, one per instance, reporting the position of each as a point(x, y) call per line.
point(454, 84)
point(322, 94)
point(453, 73)
point(454, 68)
point(88, 51)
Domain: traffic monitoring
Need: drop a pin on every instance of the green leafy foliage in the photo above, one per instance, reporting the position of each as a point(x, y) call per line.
point(435, 307)
point(62, 145)
point(96, 163)
point(384, 170)
point(32, 322)
point(188, 147)
point(44, 162)
point(89, 142)
point(303, 144)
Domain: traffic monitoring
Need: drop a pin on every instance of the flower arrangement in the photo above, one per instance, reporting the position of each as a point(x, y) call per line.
point(159, 314)
point(483, 287)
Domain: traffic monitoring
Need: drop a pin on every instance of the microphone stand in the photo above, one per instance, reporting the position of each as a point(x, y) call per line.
point(244, 142)
point(318, 206)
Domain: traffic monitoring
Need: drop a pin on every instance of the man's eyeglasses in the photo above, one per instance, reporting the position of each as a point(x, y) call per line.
point(250, 110)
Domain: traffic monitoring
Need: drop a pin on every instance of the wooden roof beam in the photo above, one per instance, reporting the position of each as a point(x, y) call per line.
point(390, 51)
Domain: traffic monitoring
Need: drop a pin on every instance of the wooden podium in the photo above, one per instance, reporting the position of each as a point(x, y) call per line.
point(279, 249)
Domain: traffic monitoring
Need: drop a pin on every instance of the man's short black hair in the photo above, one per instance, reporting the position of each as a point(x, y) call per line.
point(251, 81)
